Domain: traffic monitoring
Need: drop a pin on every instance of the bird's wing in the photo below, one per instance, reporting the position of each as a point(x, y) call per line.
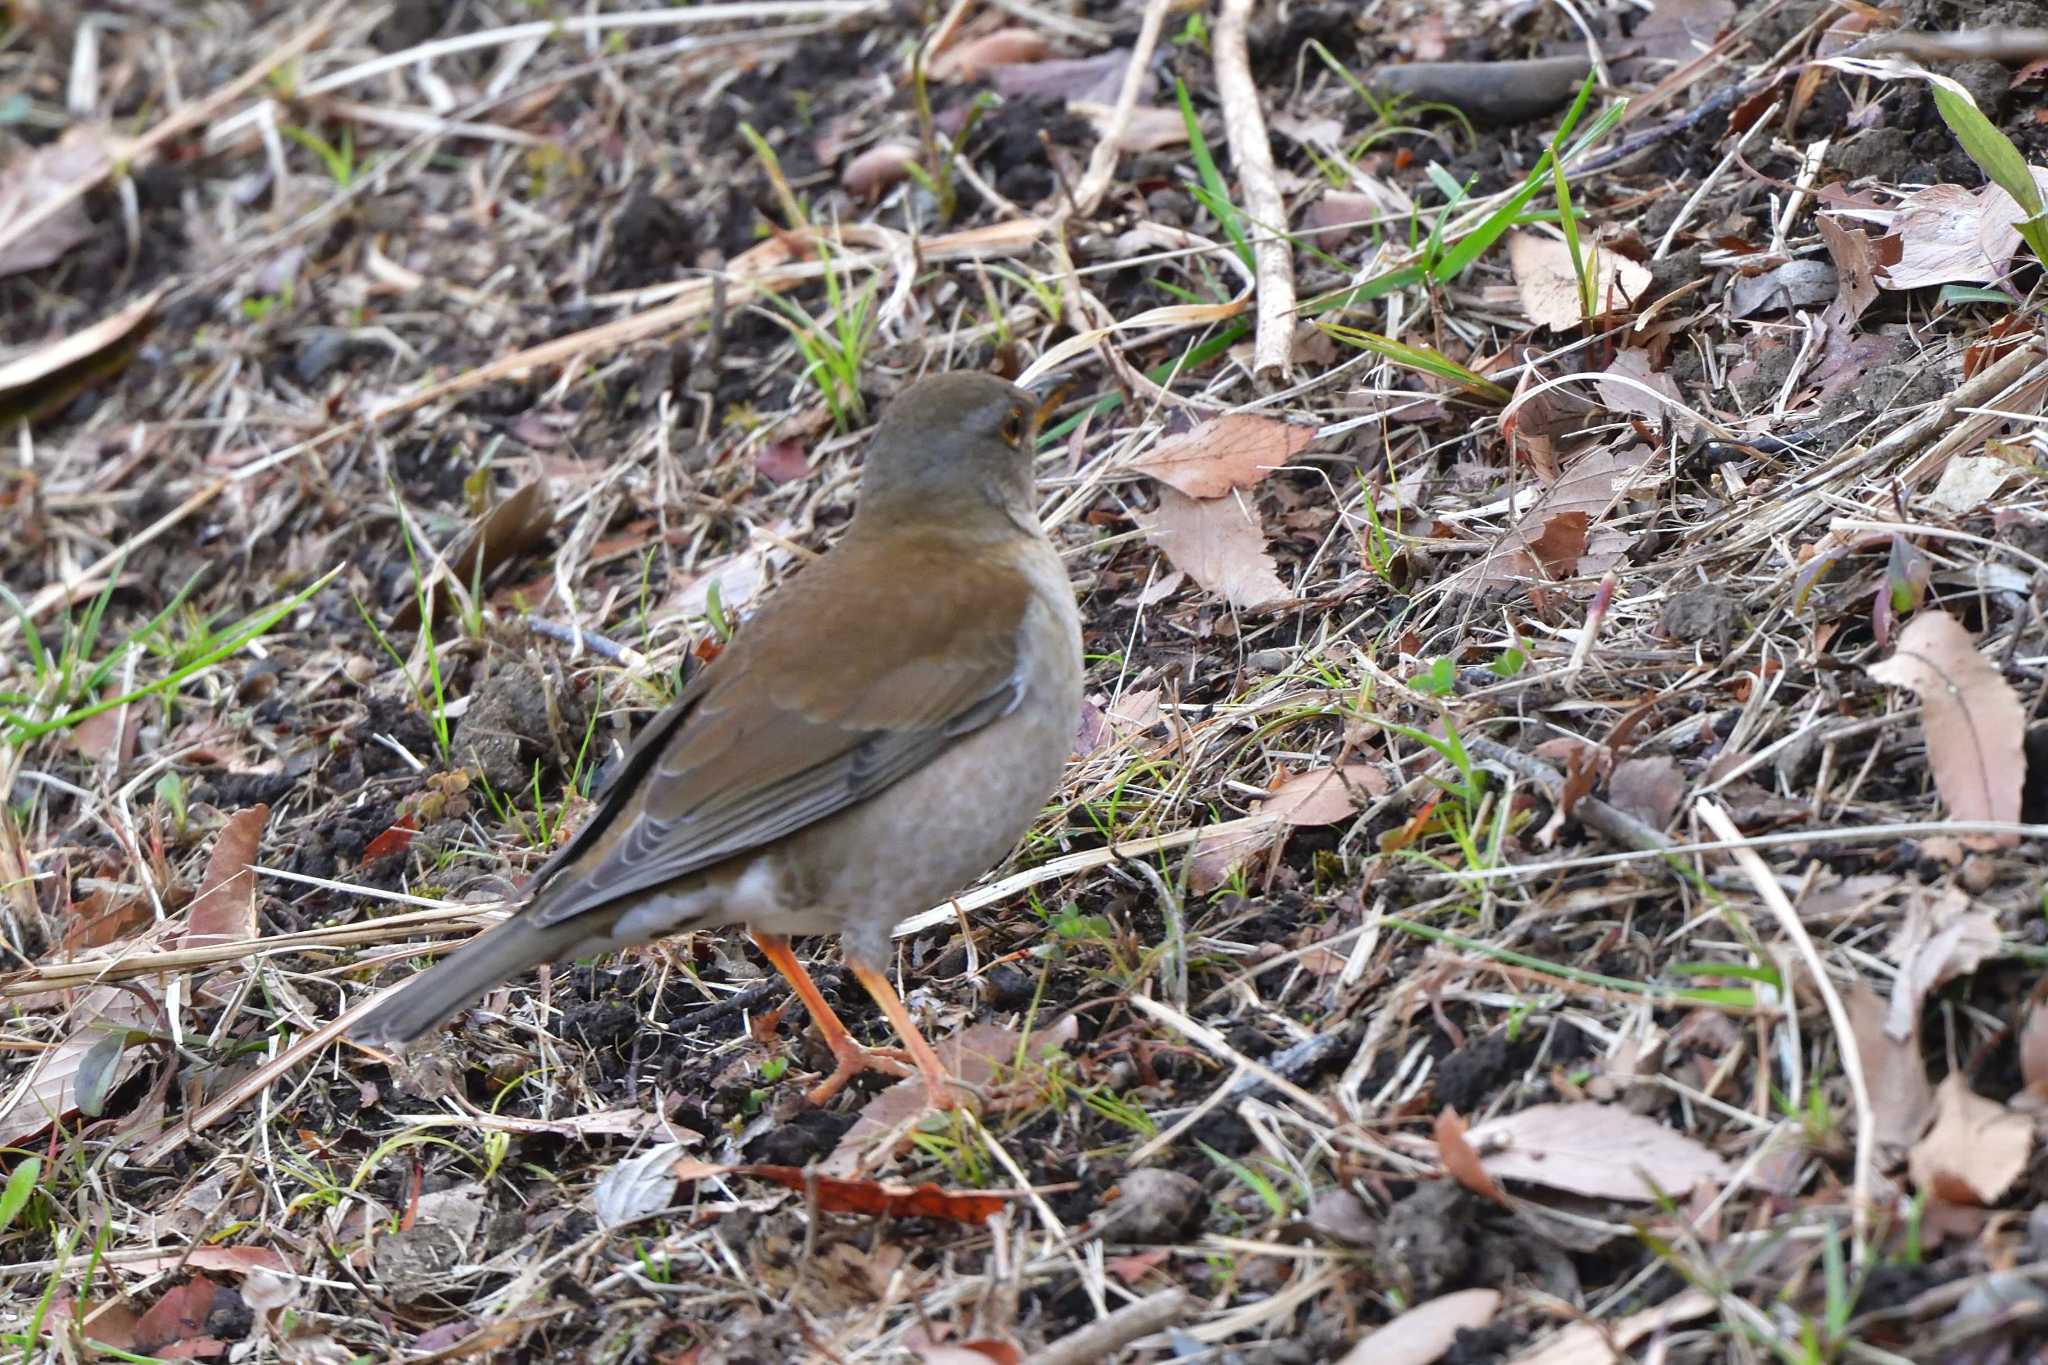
point(856, 674)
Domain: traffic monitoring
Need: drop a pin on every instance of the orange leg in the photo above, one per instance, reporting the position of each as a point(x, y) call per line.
point(853, 1058)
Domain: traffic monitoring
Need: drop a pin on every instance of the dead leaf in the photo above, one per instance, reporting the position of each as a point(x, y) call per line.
point(1940, 940)
point(1091, 80)
point(77, 1070)
point(395, 838)
point(1218, 543)
point(1560, 545)
point(1857, 256)
point(1461, 1160)
point(1602, 1151)
point(1426, 1332)
point(1595, 1343)
point(642, 1184)
point(1949, 235)
point(179, 1317)
point(1893, 1072)
point(30, 179)
point(1680, 30)
point(225, 908)
point(974, 1056)
point(1322, 796)
point(1150, 128)
point(1622, 396)
point(1004, 47)
point(2034, 1050)
point(1233, 451)
point(1968, 483)
point(1549, 286)
point(1590, 487)
point(1216, 858)
point(875, 1198)
point(783, 461)
point(1647, 788)
point(507, 531)
point(1975, 1149)
point(239, 1260)
point(878, 169)
point(42, 379)
point(1973, 720)
point(1795, 284)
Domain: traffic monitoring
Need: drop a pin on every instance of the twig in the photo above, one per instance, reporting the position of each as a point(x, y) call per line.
point(1102, 162)
point(2012, 46)
point(597, 644)
point(1591, 812)
point(1103, 1338)
point(1219, 1045)
point(1252, 154)
point(1773, 896)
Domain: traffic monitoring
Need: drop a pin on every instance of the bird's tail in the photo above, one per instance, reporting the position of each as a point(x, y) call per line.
point(511, 948)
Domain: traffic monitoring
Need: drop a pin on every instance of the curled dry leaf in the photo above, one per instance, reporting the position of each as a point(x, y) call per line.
point(42, 379)
point(1323, 796)
point(1004, 47)
point(1973, 720)
point(510, 529)
point(1150, 129)
point(878, 169)
point(876, 1198)
point(1462, 1160)
point(1623, 387)
point(1595, 1343)
point(1602, 1151)
point(225, 908)
point(642, 1184)
point(1223, 453)
point(1218, 543)
point(77, 1072)
point(30, 178)
point(1795, 284)
point(1549, 286)
point(1089, 80)
point(1893, 1072)
point(1426, 1332)
point(1857, 256)
point(1941, 939)
point(1946, 234)
point(1975, 1149)
point(1648, 788)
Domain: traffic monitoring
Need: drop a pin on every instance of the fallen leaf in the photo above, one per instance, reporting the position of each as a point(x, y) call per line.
point(876, 1198)
point(77, 1069)
point(1590, 488)
point(225, 908)
point(2034, 1050)
point(395, 838)
point(1975, 1149)
point(973, 1056)
point(1795, 284)
point(1631, 374)
point(1461, 1160)
point(783, 461)
point(1560, 545)
point(1647, 788)
point(1004, 47)
point(1595, 1343)
point(44, 378)
point(1599, 1150)
point(1093, 80)
point(1857, 256)
point(31, 178)
point(1426, 1332)
point(1949, 235)
point(1968, 483)
point(1893, 1072)
point(1973, 720)
point(1233, 451)
point(877, 170)
point(1549, 286)
point(1135, 712)
point(1218, 543)
point(239, 1260)
point(1216, 858)
point(1149, 128)
point(507, 531)
point(1680, 30)
point(1322, 796)
point(178, 1317)
point(1337, 215)
point(642, 1184)
point(1940, 939)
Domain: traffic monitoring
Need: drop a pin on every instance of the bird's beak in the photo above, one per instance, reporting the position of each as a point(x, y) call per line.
point(1050, 393)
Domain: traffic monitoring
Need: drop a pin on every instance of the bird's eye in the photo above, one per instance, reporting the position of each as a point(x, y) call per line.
point(1013, 427)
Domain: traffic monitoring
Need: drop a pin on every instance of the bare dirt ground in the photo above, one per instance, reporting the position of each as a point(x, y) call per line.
point(1550, 863)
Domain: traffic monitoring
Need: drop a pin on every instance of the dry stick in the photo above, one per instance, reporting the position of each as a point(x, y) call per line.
point(143, 149)
point(1272, 253)
point(1591, 812)
point(1102, 162)
point(1103, 1338)
point(1773, 896)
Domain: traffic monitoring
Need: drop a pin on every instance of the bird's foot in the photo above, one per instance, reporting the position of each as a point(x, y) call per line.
point(852, 1060)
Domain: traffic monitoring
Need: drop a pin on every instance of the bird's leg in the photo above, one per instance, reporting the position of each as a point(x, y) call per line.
point(937, 1084)
point(852, 1058)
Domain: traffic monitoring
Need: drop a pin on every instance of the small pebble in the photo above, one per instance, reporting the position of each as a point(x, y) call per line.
point(1154, 1205)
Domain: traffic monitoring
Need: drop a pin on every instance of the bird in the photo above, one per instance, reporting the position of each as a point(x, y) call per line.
point(882, 731)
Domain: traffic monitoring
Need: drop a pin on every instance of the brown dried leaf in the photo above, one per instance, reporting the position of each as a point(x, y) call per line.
point(30, 179)
point(46, 377)
point(1233, 451)
point(1973, 720)
point(878, 169)
point(1647, 788)
point(58, 1080)
point(877, 1198)
point(1602, 1151)
point(974, 1056)
point(1426, 1332)
point(1549, 287)
point(1623, 396)
point(1091, 80)
point(1940, 939)
point(1949, 235)
point(508, 530)
point(1323, 796)
point(225, 908)
point(1900, 1093)
point(1461, 1160)
point(1595, 1343)
point(1218, 543)
point(1004, 47)
point(1975, 1150)
point(1857, 257)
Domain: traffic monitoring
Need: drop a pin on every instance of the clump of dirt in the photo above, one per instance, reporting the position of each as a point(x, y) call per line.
point(517, 717)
